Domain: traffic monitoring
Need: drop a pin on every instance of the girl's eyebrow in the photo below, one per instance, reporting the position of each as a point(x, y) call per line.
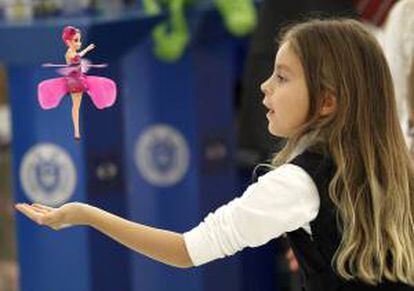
point(283, 67)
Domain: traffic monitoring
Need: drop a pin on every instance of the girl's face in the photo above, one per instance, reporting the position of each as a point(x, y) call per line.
point(286, 94)
point(75, 43)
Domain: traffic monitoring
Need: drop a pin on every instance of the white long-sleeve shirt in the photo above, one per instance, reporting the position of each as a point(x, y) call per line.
point(283, 200)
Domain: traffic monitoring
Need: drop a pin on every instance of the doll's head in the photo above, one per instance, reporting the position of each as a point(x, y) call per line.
point(71, 36)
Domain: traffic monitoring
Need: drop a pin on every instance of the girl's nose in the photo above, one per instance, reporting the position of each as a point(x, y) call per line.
point(263, 87)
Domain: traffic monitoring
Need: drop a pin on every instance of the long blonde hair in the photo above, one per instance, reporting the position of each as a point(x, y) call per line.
point(374, 181)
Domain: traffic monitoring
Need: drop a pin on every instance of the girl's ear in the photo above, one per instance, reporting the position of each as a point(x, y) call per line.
point(328, 105)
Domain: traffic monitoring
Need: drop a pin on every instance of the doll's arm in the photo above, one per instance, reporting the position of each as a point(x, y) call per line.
point(86, 50)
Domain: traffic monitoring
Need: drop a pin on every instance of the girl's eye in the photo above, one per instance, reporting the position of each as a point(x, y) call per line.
point(280, 78)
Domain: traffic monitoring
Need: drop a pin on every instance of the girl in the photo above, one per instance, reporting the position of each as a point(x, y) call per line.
point(341, 189)
point(102, 90)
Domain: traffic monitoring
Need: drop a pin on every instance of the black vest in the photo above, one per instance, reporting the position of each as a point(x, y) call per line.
point(315, 252)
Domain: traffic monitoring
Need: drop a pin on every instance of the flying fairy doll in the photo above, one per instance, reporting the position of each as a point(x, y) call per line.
point(75, 81)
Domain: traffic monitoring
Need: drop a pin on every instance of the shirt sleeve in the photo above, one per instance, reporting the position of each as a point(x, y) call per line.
point(283, 200)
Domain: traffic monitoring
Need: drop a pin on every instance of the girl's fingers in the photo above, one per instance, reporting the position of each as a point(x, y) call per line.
point(42, 207)
point(38, 210)
point(39, 216)
point(43, 215)
point(29, 212)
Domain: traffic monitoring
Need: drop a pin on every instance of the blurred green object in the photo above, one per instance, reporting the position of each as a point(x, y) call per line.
point(151, 7)
point(240, 16)
point(171, 37)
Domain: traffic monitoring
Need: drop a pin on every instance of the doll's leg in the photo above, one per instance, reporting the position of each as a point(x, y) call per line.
point(76, 103)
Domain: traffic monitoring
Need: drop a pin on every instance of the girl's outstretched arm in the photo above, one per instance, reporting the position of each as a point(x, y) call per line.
point(165, 246)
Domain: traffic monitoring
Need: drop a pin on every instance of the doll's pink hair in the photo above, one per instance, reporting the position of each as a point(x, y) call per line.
point(68, 33)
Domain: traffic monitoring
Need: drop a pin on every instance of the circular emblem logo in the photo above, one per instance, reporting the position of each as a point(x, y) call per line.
point(162, 155)
point(47, 174)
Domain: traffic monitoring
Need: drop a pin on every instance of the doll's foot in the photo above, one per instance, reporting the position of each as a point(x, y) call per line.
point(77, 138)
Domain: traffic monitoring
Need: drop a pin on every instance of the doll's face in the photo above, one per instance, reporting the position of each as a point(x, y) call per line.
point(75, 43)
point(286, 94)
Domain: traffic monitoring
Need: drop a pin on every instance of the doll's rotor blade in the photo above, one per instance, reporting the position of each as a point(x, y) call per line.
point(48, 65)
point(97, 65)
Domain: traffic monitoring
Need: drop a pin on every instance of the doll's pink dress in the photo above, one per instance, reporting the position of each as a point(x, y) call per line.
point(101, 90)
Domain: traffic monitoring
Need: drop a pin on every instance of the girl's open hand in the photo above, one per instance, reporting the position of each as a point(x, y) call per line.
point(55, 218)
